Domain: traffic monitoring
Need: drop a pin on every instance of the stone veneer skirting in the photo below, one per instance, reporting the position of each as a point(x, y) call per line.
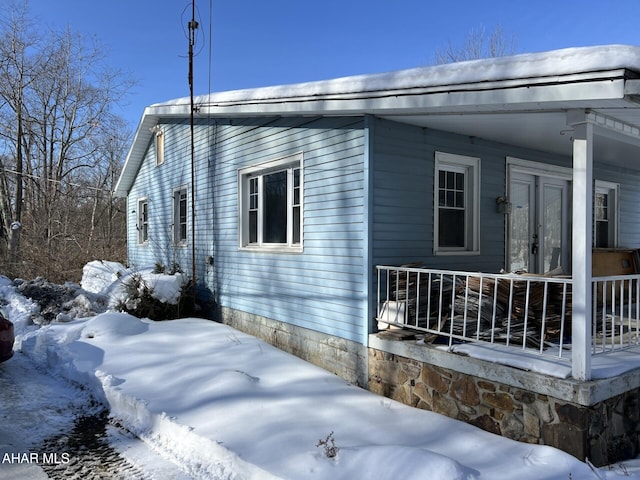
point(597, 420)
point(345, 358)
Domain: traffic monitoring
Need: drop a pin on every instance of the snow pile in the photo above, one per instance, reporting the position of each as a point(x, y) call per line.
point(100, 275)
point(104, 286)
point(125, 286)
point(223, 404)
point(15, 306)
point(61, 303)
point(226, 405)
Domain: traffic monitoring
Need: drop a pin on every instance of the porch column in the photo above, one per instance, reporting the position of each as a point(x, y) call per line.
point(582, 244)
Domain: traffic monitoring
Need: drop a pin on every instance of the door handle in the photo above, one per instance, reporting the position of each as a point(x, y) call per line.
point(534, 248)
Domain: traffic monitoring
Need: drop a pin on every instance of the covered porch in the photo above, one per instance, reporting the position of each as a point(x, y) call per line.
point(546, 351)
point(489, 336)
point(570, 313)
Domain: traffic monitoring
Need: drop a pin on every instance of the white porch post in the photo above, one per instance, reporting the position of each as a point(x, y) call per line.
point(582, 244)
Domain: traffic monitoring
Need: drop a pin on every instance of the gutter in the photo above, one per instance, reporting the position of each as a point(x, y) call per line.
point(244, 99)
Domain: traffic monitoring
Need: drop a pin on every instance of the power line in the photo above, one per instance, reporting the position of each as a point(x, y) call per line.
point(53, 180)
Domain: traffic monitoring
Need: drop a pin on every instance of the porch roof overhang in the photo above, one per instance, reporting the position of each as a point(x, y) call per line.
point(521, 100)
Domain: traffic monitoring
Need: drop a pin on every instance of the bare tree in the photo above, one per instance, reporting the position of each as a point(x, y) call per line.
point(17, 71)
point(106, 228)
point(62, 147)
point(478, 45)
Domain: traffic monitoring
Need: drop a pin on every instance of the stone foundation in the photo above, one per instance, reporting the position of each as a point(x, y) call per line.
point(597, 420)
point(605, 432)
point(345, 358)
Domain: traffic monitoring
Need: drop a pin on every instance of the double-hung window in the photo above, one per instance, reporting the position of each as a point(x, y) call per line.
point(605, 214)
point(271, 205)
point(180, 216)
point(143, 221)
point(456, 202)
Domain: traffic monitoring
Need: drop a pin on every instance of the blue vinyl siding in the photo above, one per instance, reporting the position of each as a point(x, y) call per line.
point(403, 197)
point(629, 225)
point(321, 288)
point(158, 183)
point(403, 178)
point(358, 212)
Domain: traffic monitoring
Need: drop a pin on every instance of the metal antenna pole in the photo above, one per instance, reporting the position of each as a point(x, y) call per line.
point(193, 25)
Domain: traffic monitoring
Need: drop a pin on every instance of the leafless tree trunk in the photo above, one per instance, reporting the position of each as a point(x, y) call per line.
point(56, 122)
point(16, 73)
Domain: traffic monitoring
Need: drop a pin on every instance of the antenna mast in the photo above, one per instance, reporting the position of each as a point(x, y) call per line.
point(193, 26)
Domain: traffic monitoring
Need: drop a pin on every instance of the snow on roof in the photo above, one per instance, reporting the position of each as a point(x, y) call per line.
point(590, 63)
point(531, 65)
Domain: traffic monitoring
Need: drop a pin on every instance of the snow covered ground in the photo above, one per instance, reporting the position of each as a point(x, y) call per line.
point(67, 432)
point(225, 405)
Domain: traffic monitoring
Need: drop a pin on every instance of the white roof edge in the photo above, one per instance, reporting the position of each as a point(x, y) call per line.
point(586, 62)
point(524, 66)
point(131, 163)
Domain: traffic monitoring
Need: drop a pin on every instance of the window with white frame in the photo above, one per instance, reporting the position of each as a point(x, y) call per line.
point(456, 202)
point(271, 204)
point(143, 221)
point(605, 213)
point(159, 144)
point(180, 215)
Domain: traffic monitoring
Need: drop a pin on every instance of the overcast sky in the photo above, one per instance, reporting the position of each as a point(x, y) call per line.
point(251, 43)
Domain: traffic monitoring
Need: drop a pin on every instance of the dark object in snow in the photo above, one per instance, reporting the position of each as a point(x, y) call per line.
point(329, 446)
point(60, 302)
point(6, 339)
point(141, 302)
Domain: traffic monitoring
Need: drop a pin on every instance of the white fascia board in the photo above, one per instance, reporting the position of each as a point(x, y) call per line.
point(530, 93)
point(173, 110)
point(136, 154)
point(541, 97)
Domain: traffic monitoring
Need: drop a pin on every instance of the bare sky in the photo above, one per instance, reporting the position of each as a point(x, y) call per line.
point(250, 43)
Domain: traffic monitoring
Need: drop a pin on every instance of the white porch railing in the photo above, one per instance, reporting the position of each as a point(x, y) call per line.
point(521, 311)
point(616, 310)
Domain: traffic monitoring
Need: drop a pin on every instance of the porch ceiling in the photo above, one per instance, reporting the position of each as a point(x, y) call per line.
point(541, 130)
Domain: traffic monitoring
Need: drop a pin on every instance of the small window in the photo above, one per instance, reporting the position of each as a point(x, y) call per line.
point(271, 204)
point(605, 215)
point(143, 221)
point(180, 216)
point(456, 202)
point(159, 143)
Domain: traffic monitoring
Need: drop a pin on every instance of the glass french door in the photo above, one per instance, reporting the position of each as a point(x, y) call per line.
point(538, 233)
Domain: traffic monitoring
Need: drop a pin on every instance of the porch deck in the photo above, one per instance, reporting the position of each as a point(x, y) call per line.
point(529, 314)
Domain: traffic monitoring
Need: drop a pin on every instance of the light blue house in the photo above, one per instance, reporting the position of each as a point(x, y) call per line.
point(309, 198)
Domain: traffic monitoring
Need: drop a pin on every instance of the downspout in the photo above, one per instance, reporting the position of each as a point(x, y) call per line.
point(582, 243)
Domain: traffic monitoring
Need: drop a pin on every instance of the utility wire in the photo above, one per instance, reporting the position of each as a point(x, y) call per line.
point(53, 180)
